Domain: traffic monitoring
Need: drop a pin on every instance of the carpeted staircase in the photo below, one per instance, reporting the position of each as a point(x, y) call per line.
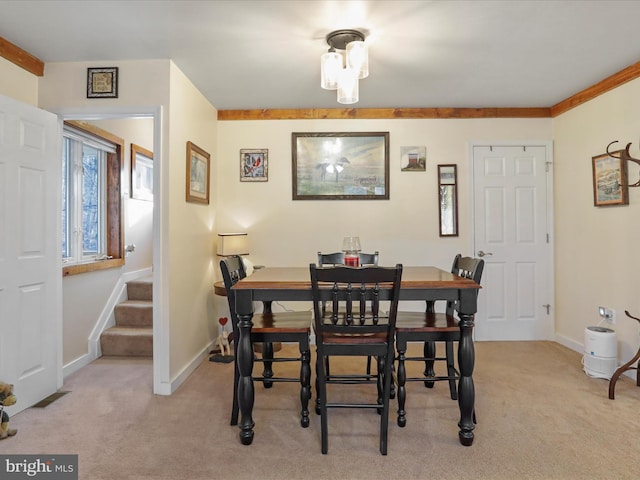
point(133, 333)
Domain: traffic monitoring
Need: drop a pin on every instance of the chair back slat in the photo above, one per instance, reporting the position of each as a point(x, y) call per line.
point(325, 259)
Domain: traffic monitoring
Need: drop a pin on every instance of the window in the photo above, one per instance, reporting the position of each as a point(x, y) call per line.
point(91, 199)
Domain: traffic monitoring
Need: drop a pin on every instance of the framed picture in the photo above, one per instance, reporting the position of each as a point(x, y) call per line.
point(198, 169)
point(340, 166)
point(448, 200)
point(413, 159)
point(141, 173)
point(610, 180)
point(254, 165)
point(102, 82)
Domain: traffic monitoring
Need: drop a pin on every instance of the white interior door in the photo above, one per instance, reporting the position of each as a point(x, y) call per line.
point(512, 232)
point(30, 273)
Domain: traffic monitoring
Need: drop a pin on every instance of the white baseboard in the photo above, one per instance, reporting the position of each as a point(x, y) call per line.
point(186, 371)
point(570, 343)
point(77, 364)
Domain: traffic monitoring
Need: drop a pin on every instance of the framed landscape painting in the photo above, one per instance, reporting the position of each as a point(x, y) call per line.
point(198, 170)
point(340, 166)
point(610, 180)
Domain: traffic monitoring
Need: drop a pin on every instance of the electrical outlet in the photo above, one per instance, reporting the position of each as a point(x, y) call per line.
point(607, 314)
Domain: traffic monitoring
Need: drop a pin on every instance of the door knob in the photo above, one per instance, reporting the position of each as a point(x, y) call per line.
point(482, 254)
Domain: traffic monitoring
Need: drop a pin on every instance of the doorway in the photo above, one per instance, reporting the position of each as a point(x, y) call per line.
point(161, 375)
point(512, 231)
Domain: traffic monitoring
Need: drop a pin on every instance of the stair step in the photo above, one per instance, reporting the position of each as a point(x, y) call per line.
point(127, 341)
point(140, 289)
point(134, 313)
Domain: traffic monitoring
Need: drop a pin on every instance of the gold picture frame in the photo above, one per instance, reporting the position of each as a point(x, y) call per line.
point(102, 82)
point(609, 180)
point(198, 171)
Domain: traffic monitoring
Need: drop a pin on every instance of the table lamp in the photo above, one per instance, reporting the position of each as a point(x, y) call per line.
point(235, 244)
point(232, 244)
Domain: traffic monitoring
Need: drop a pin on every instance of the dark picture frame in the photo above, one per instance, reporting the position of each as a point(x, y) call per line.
point(102, 82)
point(198, 172)
point(254, 165)
point(610, 180)
point(340, 165)
point(141, 173)
point(448, 199)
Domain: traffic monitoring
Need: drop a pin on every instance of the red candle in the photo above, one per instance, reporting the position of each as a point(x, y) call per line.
point(352, 261)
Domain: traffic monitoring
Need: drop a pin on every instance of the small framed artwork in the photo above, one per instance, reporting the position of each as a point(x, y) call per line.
point(102, 82)
point(413, 159)
point(610, 180)
point(141, 173)
point(254, 165)
point(198, 170)
point(340, 166)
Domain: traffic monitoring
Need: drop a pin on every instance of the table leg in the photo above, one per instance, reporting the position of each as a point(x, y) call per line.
point(466, 392)
point(245, 366)
point(401, 347)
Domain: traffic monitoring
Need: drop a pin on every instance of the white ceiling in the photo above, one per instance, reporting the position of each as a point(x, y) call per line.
point(266, 54)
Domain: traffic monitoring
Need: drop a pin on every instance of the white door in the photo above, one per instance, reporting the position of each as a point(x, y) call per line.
point(30, 273)
point(512, 231)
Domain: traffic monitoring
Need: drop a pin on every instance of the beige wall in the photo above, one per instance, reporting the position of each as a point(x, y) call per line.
point(17, 83)
point(192, 226)
point(596, 259)
point(403, 229)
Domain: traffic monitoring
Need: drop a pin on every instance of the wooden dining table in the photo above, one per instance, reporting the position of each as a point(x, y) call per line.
point(294, 284)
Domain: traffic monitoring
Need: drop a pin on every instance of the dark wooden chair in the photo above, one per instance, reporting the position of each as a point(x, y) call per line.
point(337, 258)
point(355, 326)
point(431, 327)
point(268, 328)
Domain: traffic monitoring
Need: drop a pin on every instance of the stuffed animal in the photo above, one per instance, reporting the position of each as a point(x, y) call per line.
point(7, 398)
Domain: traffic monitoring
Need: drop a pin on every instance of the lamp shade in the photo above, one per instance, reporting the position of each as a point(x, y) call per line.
point(233, 244)
point(348, 91)
point(358, 58)
point(330, 67)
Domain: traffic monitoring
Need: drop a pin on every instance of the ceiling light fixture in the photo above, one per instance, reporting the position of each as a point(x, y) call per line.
point(341, 73)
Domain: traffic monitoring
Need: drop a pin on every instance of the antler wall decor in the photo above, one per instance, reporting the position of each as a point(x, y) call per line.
point(624, 155)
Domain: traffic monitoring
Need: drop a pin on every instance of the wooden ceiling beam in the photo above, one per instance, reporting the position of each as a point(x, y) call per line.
point(23, 59)
point(623, 76)
point(382, 113)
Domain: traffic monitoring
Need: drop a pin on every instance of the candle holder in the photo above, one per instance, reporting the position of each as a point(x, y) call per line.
point(351, 248)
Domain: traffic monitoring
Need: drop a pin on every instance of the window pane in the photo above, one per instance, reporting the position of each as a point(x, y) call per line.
point(90, 200)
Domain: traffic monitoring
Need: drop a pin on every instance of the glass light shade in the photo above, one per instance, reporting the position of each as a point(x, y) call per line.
point(330, 67)
point(351, 244)
point(348, 88)
point(358, 58)
point(233, 244)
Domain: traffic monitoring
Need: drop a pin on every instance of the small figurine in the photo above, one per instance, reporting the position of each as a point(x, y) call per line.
point(223, 343)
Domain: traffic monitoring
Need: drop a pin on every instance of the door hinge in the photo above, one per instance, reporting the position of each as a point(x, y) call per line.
point(547, 238)
point(547, 165)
